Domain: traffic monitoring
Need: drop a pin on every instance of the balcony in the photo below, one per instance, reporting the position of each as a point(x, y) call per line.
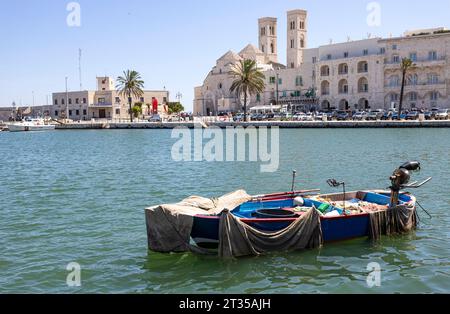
point(441, 84)
point(102, 105)
point(420, 62)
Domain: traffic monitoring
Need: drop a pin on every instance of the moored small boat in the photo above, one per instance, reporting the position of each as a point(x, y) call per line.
point(239, 224)
point(31, 125)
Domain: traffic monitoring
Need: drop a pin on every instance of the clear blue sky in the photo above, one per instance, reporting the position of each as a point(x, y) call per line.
point(173, 43)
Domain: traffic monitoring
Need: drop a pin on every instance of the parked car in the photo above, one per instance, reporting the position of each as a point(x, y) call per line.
point(360, 116)
point(238, 118)
point(413, 115)
point(309, 117)
point(430, 115)
point(299, 116)
point(387, 115)
point(402, 115)
point(375, 115)
point(319, 116)
point(155, 118)
point(442, 114)
point(342, 116)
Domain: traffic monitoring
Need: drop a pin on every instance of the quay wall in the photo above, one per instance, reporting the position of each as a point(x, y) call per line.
point(283, 125)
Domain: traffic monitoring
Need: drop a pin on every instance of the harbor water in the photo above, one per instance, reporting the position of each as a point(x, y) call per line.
point(79, 197)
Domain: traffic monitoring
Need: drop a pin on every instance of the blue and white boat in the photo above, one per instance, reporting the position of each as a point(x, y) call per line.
point(275, 213)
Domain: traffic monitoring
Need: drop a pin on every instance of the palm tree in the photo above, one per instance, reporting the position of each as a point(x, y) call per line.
point(406, 65)
point(248, 79)
point(130, 85)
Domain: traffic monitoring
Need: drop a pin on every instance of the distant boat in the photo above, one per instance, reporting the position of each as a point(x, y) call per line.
point(31, 125)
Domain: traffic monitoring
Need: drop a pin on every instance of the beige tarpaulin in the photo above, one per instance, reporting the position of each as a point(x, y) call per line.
point(398, 220)
point(238, 239)
point(169, 226)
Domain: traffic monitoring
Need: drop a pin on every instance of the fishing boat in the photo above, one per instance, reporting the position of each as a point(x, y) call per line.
point(31, 125)
point(341, 216)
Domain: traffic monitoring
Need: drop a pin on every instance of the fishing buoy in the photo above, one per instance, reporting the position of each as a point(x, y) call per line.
point(299, 201)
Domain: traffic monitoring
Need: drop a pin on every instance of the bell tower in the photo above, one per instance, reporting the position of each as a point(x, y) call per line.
point(268, 40)
point(296, 37)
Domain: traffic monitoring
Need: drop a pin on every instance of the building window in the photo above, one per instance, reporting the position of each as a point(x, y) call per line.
point(292, 43)
point(413, 96)
point(345, 54)
point(292, 65)
point(365, 52)
point(263, 31)
point(413, 56)
point(258, 97)
point(325, 70)
point(272, 80)
point(164, 100)
point(396, 59)
point(394, 81)
point(433, 79)
point(292, 25)
point(329, 57)
point(84, 112)
point(363, 67)
point(299, 81)
point(70, 113)
point(70, 101)
point(62, 102)
point(394, 97)
point(280, 81)
point(84, 100)
point(262, 48)
point(412, 80)
point(382, 51)
point(343, 69)
point(77, 100)
point(434, 96)
point(432, 56)
point(118, 111)
point(56, 101)
point(394, 47)
point(56, 112)
point(220, 86)
point(101, 100)
point(314, 60)
point(142, 99)
point(302, 25)
point(77, 112)
point(272, 48)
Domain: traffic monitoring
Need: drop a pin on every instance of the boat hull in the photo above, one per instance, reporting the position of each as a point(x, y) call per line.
point(29, 128)
point(205, 231)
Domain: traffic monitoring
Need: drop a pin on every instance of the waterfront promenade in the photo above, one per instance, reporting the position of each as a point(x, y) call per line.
point(280, 124)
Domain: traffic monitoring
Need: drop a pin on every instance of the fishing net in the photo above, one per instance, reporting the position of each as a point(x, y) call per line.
point(397, 220)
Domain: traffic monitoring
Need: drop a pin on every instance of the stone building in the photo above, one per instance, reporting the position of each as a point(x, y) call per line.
point(104, 103)
point(363, 74)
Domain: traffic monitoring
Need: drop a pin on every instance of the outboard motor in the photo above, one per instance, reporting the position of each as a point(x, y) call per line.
point(400, 179)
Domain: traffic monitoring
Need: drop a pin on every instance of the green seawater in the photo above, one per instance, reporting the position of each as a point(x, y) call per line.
point(79, 196)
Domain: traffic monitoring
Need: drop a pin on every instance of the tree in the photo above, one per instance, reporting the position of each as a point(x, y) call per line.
point(406, 65)
point(248, 80)
point(130, 85)
point(137, 109)
point(175, 107)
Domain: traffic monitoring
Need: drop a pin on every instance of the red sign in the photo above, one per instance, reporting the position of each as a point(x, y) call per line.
point(155, 105)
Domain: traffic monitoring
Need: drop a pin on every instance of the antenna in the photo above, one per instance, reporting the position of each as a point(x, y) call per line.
point(79, 68)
